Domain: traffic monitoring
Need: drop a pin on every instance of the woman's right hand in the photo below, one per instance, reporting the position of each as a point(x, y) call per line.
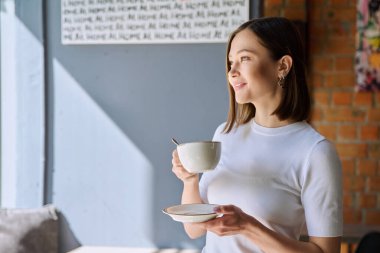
point(180, 171)
point(190, 192)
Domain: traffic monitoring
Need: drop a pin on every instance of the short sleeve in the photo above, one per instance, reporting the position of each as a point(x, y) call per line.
point(205, 178)
point(322, 191)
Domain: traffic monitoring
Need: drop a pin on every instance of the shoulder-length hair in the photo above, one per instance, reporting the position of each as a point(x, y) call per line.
point(281, 37)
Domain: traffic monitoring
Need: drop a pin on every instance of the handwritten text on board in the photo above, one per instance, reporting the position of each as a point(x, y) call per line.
point(150, 21)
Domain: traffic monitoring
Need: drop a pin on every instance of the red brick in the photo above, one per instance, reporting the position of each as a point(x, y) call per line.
point(367, 167)
point(316, 114)
point(351, 183)
point(273, 12)
point(322, 64)
point(342, 98)
point(340, 14)
point(353, 29)
point(377, 96)
point(339, 3)
point(315, 14)
point(347, 132)
point(374, 150)
point(345, 80)
point(316, 80)
point(350, 150)
point(344, 63)
point(317, 45)
point(340, 80)
point(271, 3)
point(363, 99)
point(328, 131)
point(345, 115)
point(340, 46)
point(296, 3)
point(348, 167)
point(374, 183)
point(367, 201)
point(352, 3)
point(321, 97)
point(316, 30)
point(341, 29)
point(329, 80)
point(351, 216)
point(374, 115)
point(295, 13)
point(315, 3)
point(370, 133)
point(348, 200)
point(373, 217)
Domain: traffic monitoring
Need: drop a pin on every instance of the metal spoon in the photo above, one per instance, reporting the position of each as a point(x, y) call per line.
point(175, 142)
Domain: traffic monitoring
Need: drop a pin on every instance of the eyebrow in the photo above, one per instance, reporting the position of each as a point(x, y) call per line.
point(244, 50)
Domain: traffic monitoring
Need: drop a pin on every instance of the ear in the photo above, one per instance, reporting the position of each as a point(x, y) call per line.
point(284, 65)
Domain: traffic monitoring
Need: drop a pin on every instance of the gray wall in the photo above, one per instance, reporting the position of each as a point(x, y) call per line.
point(111, 112)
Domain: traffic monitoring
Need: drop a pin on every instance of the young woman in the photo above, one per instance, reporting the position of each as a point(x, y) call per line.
point(276, 175)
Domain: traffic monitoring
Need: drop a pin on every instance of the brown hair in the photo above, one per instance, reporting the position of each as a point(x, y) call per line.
point(281, 37)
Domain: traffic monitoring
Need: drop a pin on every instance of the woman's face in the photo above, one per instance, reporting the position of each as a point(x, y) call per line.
point(253, 73)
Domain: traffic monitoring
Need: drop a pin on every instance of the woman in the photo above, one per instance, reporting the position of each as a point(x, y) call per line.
point(276, 173)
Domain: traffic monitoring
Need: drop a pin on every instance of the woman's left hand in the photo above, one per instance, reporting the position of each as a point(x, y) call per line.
point(234, 221)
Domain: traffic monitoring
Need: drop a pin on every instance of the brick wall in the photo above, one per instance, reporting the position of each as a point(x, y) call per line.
point(349, 119)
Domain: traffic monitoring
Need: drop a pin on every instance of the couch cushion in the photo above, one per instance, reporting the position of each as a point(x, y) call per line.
point(29, 230)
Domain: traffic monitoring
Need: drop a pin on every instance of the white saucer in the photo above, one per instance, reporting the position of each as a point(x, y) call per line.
point(191, 212)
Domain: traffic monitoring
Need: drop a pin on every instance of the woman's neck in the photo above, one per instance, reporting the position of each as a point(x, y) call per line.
point(265, 119)
point(265, 106)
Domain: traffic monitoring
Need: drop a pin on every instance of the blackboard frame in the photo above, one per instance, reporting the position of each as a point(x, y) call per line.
point(256, 9)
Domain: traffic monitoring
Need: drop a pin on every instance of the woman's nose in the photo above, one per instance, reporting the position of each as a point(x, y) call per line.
point(233, 71)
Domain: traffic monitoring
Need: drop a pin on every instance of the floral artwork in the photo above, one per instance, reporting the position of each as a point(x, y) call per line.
point(368, 45)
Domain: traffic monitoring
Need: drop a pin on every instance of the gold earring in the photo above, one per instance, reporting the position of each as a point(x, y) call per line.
point(281, 81)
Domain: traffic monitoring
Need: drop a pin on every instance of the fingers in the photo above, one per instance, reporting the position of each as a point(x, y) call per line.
point(231, 222)
point(222, 226)
point(178, 168)
point(179, 171)
point(175, 158)
point(177, 165)
point(175, 153)
point(226, 209)
point(222, 221)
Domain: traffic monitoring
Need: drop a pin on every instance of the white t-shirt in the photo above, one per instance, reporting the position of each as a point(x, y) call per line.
point(286, 177)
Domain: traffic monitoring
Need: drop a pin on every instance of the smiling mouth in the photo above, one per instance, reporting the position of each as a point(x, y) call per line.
point(238, 86)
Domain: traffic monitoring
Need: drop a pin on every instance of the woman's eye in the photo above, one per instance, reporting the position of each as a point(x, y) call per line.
point(244, 58)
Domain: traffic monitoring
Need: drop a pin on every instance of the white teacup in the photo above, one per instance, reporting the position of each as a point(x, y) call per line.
point(198, 157)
